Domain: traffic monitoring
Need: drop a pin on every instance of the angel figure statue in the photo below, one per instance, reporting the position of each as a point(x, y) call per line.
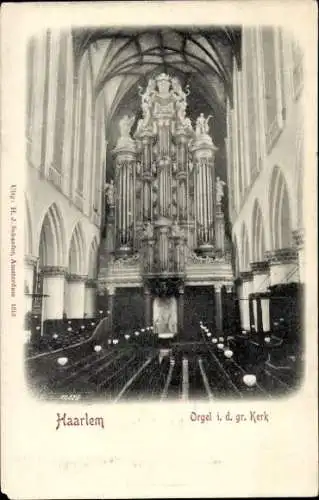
point(177, 90)
point(126, 124)
point(219, 189)
point(202, 127)
point(149, 92)
point(181, 110)
point(109, 192)
point(138, 168)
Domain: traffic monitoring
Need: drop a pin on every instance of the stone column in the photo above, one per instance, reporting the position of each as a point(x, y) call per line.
point(75, 296)
point(298, 237)
point(259, 316)
point(260, 272)
point(218, 308)
point(53, 287)
point(181, 310)
point(148, 306)
point(283, 265)
point(228, 309)
point(246, 289)
point(30, 266)
point(90, 298)
point(111, 290)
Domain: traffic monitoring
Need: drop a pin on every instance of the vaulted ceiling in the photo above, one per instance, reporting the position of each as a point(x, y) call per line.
point(122, 60)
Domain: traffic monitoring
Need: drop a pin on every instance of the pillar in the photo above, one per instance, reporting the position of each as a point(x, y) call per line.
point(180, 311)
point(228, 308)
point(90, 298)
point(110, 305)
point(259, 317)
point(261, 278)
point(75, 296)
point(218, 308)
point(30, 265)
point(246, 288)
point(53, 287)
point(148, 306)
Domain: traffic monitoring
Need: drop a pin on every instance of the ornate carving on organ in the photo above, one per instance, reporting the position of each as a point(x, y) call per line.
point(165, 181)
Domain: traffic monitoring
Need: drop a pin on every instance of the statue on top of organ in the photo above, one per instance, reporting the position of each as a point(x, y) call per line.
point(165, 181)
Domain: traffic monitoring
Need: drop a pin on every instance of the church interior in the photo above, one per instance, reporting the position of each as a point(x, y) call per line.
point(164, 234)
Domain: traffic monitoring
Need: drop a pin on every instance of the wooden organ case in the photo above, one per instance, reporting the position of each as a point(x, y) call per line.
point(164, 207)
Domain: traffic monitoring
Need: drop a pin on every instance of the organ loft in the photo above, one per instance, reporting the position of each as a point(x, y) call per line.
point(164, 232)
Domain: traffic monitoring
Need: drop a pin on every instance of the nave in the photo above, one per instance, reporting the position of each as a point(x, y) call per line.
point(166, 214)
point(140, 366)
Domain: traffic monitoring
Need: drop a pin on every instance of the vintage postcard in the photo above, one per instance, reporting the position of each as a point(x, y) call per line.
point(159, 250)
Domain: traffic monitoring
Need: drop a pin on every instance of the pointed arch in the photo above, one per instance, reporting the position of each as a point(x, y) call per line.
point(93, 259)
point(77, 252)
point(52, 238)
point(258, 233)
point(245, 249)
point(280, 213)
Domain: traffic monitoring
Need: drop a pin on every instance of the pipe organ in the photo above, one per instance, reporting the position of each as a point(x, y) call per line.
point(165, 181)
point(164, 204)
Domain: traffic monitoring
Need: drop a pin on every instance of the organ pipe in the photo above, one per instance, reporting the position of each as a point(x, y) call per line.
point(165, 178)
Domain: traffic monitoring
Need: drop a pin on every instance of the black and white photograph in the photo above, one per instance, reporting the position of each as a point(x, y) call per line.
point(159, 250)
point(164, 231)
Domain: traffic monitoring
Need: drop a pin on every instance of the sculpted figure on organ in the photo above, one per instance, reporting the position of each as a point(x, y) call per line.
point(219, 189)
point(109, 192)
point(125, 126)
point(138, 167)
point(202, 127)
